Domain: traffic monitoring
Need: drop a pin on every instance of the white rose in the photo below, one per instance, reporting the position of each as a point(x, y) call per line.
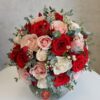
point(74, 26)
point(42, 84)
point(41, 55)
point(63, 64)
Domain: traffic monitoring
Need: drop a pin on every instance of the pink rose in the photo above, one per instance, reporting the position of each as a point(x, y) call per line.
point(77, 43)
point(39, 71)
point(59, 26)
point(30, 41)
point(44, 42)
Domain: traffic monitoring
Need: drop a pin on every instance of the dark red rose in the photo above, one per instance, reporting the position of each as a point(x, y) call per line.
point(14, 52)
point(61, 79)
point(19, 56)
point(39, 28)
point(59, 45)
point(22, 58)
point(58, 16)
point(82, 59)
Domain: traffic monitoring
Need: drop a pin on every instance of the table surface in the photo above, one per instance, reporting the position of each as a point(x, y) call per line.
point(87, 88)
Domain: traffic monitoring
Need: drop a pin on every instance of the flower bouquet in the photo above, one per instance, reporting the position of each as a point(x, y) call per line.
point(49, 52)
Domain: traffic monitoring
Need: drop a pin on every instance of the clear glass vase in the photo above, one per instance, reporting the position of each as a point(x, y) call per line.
point(46, 94)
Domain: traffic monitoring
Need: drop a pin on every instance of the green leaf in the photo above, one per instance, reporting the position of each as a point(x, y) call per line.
point(16, 79)
point(11, 40)
point(62, 10)
point(51, 9)
point(69, 13)
point(31, 16)
point(57, 34)
point(27, 19)
point(71, 32)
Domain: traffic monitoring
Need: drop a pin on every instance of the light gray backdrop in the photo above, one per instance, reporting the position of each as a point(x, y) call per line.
point(12, 13)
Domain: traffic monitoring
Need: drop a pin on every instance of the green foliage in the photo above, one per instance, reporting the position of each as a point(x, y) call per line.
point(16, 79)
point(11, 40)
point(31, 16)
point(27, 19)
point(71, 32)
point(45, 11)
point(69, 13)
point(69, 86)
point(56, 34)
point(62, 10)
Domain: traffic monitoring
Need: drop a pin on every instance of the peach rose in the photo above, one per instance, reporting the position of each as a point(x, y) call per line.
point(78, 43)
point(44, 42)
point(41, 55)
point(59, 26)
point(37, 19)
point(39, 71)
point(30, 41)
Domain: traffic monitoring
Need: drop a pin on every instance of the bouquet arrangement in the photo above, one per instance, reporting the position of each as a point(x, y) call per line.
point(49, 52)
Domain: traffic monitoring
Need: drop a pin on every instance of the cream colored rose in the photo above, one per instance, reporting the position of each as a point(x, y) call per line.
point(41, 55)
point(37, 19)
point(42, 83)
point(63, 65)
point(59, 26)
point(30, 41)
point(74, 26)
point(44, 42)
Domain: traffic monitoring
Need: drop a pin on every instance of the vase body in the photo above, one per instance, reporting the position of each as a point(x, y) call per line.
point(56, 96)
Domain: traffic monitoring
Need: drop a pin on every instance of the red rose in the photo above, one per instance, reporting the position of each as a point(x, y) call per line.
point(22, 58)
point(58, 16)
point(14, 52)
point(59, 45)
point(39, 28)
point(19, 55)
point(61, 79)
point(45, 94)
point(82, 59)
